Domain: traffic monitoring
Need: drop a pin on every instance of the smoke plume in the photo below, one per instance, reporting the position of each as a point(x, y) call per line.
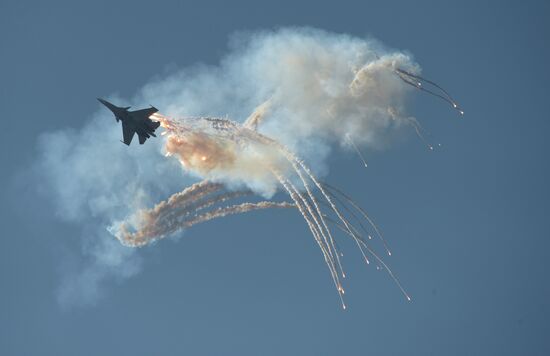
point(305, 89)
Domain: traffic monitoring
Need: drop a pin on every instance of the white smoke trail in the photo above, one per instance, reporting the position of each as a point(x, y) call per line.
point(236, 209)
point(168, 216)
point(147, 234)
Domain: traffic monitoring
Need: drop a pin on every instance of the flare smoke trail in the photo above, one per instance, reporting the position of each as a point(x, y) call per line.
point(207, 145)
point(302, 91)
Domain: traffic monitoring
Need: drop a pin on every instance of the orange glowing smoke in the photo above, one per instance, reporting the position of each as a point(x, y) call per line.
point(201, 153)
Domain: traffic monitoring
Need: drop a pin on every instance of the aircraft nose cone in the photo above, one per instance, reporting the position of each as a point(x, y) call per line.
point(110, 106)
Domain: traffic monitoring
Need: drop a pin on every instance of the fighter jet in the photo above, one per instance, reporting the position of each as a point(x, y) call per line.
point(134, 122)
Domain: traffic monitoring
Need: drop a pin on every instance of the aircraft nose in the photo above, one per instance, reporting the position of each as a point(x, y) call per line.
point(109, 106)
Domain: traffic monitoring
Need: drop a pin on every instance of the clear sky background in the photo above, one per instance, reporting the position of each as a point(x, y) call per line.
point(468, 224)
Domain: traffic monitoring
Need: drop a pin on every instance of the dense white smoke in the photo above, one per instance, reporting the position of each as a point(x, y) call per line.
point(316, 87)
point(305, 88)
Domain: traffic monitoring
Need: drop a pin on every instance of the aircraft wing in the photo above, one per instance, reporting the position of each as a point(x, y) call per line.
point(144, 113)
point(142, 139)
point(128, 133)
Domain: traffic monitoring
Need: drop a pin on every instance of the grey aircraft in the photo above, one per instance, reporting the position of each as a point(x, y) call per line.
point(134, 122)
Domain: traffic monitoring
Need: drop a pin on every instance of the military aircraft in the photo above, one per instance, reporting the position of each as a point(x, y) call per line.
point(134, 122)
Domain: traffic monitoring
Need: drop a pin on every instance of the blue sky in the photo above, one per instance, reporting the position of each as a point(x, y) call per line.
point(467, 223)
